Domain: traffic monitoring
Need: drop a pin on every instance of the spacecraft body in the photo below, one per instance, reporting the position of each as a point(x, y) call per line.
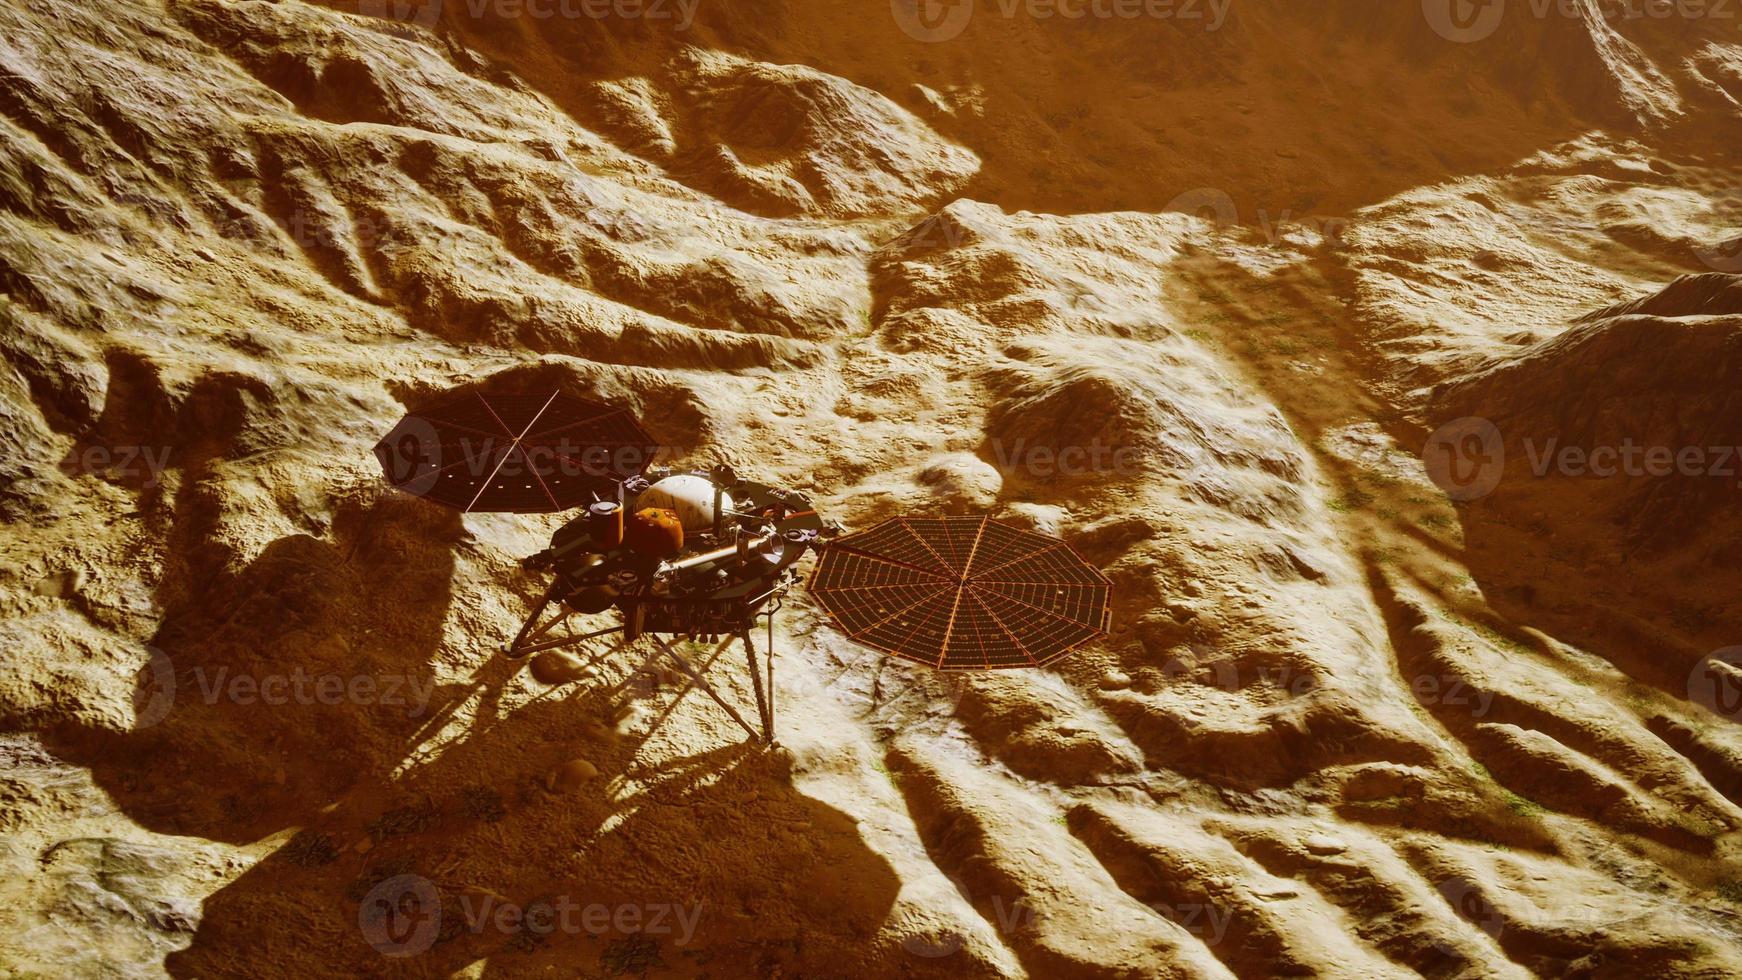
point(736, 544)
point(703, 554)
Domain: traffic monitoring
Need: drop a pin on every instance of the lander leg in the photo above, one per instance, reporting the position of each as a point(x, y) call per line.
point(695, 676)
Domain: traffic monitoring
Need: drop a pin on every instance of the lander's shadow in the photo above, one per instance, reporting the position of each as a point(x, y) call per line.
point(299, 693)
point(271, 690)
point(711, 860)
point(719, 834)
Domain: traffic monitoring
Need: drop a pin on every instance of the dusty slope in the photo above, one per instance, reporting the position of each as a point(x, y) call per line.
point(1346, 726)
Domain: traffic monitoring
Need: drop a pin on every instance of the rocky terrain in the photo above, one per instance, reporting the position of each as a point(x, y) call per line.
point(1390, 364)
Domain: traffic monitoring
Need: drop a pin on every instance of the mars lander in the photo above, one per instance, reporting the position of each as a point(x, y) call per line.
point(703, 555)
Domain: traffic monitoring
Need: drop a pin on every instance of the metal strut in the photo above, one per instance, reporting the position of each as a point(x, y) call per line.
point(771, 613)
point(530, 640)
point(527, 640)
point(762, 707)
point(513, 649)
point(563, 642)
point(695, 676)
point(646, 664)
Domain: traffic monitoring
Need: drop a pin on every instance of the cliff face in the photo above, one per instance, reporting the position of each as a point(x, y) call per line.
point(1273, 310)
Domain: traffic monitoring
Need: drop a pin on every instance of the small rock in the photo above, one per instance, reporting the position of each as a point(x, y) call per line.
point(1308, 563)
point(1323, 844)
point(178, 915)
point(570, 776)
point(545, 149)
point(1113, 535)
point(362, 846)
point(962, 481)
point(1113, 680)
point(59, 585)
point(1045, 518)
point(556, 667)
